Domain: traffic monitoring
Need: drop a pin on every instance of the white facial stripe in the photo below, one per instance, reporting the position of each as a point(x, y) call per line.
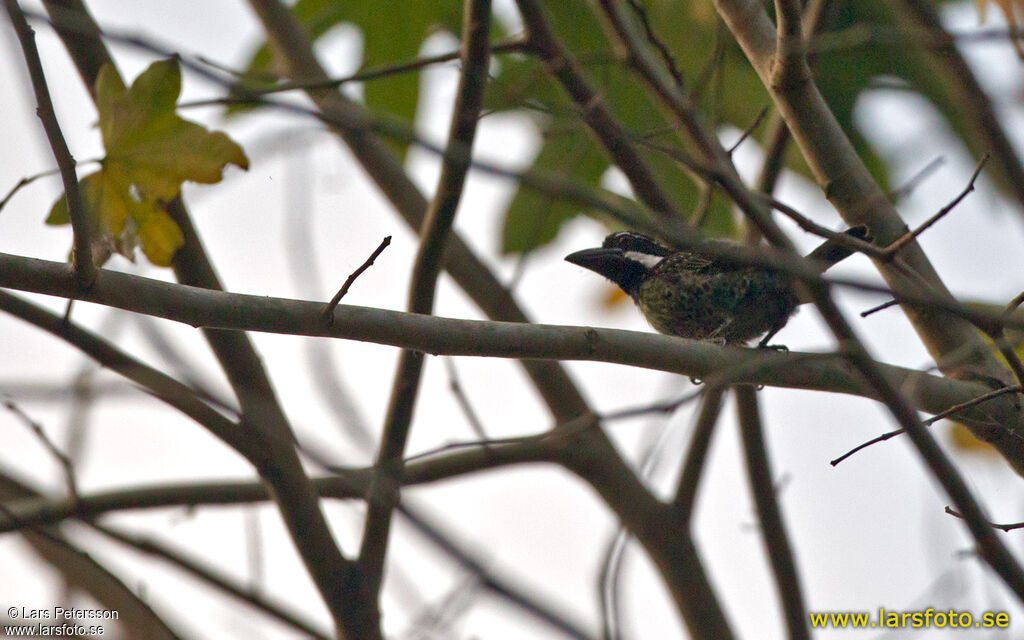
point(645, 259)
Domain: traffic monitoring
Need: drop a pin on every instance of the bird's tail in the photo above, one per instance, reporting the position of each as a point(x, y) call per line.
point(829, 253)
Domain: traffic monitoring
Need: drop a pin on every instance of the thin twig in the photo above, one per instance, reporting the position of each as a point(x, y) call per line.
point(24, 182)
point(381, 71)
point(879, 307)
point(932, 420)
point(666, 55)
point(328, 312)
point(658, 407)
point(749, 130)
point(486, 445)
point(890, 252)
point(907, 187)
point(85, 268)
point(62, 459)
point(1002, 527)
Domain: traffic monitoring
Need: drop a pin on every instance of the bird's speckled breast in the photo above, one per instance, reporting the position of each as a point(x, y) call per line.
point(705, 303)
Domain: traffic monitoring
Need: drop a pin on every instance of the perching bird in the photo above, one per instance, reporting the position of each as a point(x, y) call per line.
point(696, 296)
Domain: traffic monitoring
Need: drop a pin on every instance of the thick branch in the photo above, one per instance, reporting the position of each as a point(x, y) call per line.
point(202, 307)
point(955, 345)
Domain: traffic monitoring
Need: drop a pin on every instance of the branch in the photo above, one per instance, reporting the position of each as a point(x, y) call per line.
point(81, 571)
point(987, 133)
point(333, 304)
point(773, 528)
point(554, 385)
point(435, 231)
point(216, 309)
point(85, 268)
point(37, 511)
point(697, 453)
point(561, 64)
point(955, 345)
point(213, 577)
point(154, 382)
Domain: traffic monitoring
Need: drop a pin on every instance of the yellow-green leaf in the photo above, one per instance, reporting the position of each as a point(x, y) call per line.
point(147, 141)
point(119, 221)
point(160, 237)
point(150, 152)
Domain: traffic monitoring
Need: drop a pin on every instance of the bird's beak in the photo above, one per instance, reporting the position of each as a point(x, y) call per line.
point(603, 260)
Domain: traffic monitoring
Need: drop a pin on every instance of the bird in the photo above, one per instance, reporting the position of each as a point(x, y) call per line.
point(694, 295)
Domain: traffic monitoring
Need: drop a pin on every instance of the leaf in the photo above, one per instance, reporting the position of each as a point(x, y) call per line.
point(533, 219)
point(713, 67)
point(150, 152)
point(392, 33)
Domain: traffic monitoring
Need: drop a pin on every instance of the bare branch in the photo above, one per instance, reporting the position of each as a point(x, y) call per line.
point(693, 467)
point(773, 528)
point(333, 304)
point(565, 68)
point(85, 268)
point(434, 236)
point(215, 309)
point(48, 444)
point(213, 577)
point(896, 245)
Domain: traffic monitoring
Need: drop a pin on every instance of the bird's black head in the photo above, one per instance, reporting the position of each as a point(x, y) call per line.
point(625, 258)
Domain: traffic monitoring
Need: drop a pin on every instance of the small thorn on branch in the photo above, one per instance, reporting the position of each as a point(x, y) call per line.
point(877, 308)
point(333, 304)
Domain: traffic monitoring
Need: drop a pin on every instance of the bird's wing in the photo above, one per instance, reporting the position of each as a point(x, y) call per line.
point(692, 262)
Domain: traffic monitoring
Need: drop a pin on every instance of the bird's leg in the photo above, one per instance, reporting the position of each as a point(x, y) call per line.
point(763, 344)
point(714, 335)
